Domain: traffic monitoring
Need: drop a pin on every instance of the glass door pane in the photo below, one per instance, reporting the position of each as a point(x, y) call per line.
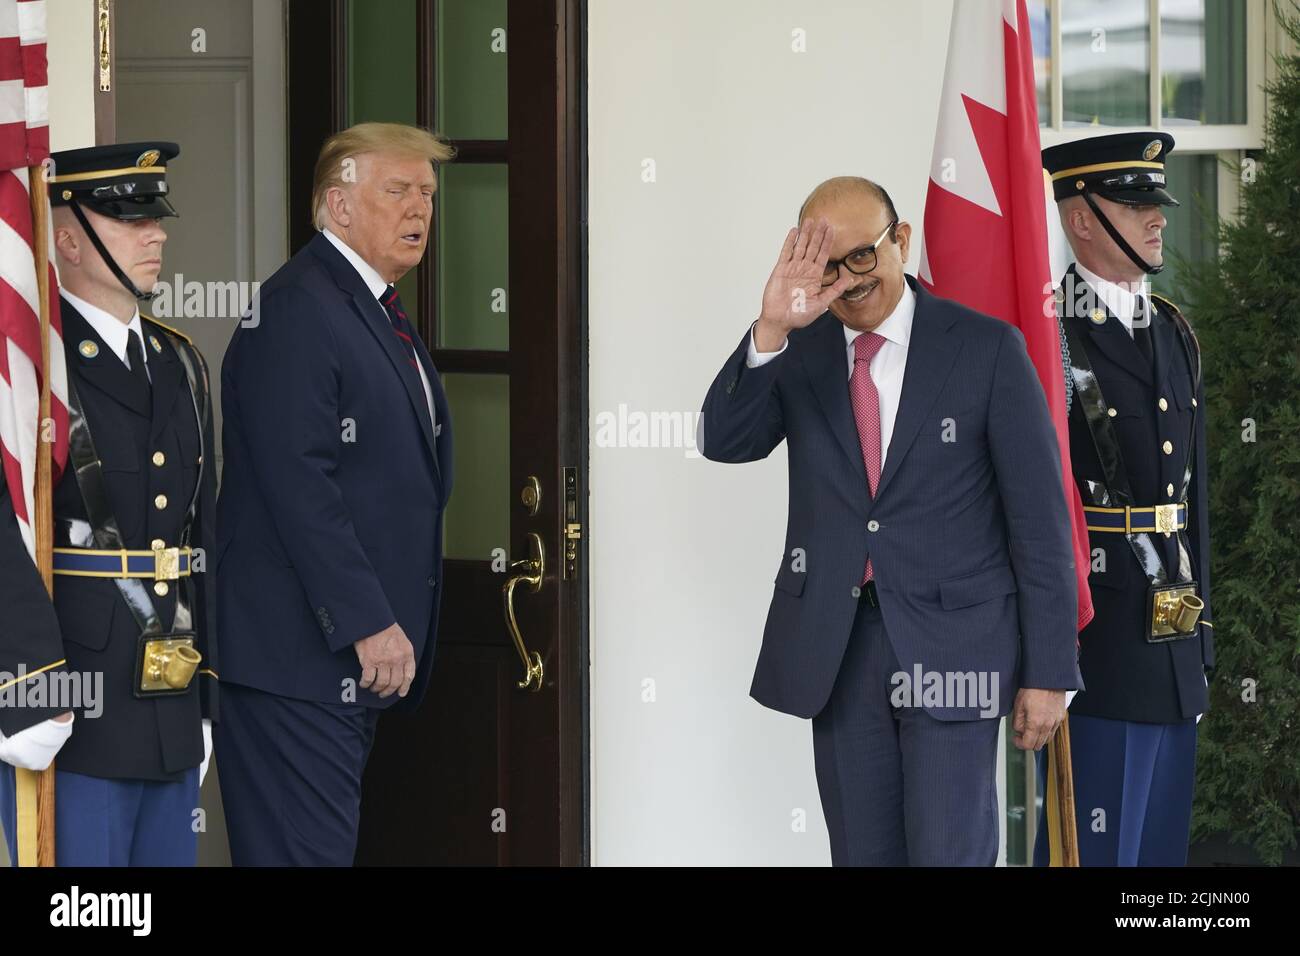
point(471, 59)
point(473, 257)
point(478, 517)
point(381, 84)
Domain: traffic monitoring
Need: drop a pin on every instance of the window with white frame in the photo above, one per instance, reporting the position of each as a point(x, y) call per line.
point(1194, 68)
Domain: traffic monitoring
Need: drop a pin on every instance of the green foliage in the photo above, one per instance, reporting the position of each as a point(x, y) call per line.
point(1246, 310)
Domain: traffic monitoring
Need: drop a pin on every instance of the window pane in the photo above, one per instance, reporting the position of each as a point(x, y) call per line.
point(473, 257)
point(381, 84)
point(1040, 37)
point(471, 58)
point(381, 61)
point(1194, 182)
point(1106, 62)
point(1202, 61)
point(478, 516)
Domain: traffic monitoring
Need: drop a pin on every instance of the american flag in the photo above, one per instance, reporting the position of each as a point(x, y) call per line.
point(25, 142)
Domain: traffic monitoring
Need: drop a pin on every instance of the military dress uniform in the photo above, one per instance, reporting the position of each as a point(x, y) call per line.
point(1137, 448)
point(137, 495)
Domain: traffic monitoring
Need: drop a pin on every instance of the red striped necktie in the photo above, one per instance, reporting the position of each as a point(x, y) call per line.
point(392, 303)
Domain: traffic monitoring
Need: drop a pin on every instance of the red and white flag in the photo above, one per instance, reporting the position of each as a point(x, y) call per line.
point(986, 236)
point(25, 142)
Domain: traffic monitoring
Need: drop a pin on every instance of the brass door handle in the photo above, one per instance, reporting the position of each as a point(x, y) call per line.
point(530, 571)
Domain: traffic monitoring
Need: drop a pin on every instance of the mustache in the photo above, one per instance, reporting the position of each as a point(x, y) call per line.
point(859, 287)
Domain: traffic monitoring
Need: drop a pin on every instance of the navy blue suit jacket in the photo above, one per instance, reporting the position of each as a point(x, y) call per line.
point(333, 490)
point(972, 546)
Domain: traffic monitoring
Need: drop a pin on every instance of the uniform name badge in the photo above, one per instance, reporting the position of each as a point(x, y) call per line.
point(1173, 611)
point(165, 664)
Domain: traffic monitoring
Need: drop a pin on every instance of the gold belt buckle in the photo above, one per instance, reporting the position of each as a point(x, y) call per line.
point(1166, 519)
point(166, 564)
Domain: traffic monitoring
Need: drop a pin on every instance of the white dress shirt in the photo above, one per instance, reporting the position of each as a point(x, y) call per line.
point(1123, 302)
point(111, 329)
point(887, 365)
point(377, 286)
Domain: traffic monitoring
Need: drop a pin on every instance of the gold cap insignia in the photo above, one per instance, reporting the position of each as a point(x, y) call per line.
point(148, 158)
point(67, 194)
point(1078, 184)
point(1153, 150)
point(88, 348)
point(1099, 316)
point(157, 346)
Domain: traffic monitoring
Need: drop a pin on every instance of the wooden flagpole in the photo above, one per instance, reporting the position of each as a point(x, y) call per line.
point(1062, 834)
point(42, 821)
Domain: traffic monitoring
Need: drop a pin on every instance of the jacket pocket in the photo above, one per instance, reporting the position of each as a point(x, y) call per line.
point(790, 580)
point(978, 587)
point(85, 607)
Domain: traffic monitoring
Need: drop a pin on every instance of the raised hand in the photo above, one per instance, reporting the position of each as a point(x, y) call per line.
point(793, 296)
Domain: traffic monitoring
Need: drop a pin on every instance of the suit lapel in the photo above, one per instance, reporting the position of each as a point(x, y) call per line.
point(826, 364)
point(439, 401)
point(166, 373)
point(372, 315)
point(1163, 342)
point(930, 357)
point(1110, 336)
point(102, 369)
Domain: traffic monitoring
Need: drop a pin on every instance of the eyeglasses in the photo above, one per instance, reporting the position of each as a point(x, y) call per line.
point(859, 261)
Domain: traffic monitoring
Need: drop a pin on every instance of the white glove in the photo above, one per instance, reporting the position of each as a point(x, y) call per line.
point(207, 750)
point(35, 747)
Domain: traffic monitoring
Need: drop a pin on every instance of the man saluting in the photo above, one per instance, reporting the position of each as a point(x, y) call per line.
point(926, 533)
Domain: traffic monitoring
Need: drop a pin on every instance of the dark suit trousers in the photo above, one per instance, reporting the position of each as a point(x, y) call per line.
point(291, 777)
point(899, 787)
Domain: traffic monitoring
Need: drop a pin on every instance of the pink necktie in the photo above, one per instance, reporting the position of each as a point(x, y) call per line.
point(866, 412)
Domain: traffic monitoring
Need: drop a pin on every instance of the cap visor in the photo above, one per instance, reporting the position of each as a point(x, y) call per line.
point(1144, 196)
point(141, 207)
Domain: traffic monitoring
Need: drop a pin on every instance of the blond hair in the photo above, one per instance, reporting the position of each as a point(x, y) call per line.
point(332, 168)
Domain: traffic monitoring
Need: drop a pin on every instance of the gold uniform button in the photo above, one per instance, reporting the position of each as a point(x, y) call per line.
point(1111, 412)
point(160, 459)
point(1169, 490)
point(158, 543)
point(1168, 447)
point(1164, 407)
point(161, 501)
point(160, 588)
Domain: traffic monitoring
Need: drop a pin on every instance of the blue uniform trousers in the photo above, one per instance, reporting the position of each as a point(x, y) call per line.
point(1133, 785)
point(102, 822)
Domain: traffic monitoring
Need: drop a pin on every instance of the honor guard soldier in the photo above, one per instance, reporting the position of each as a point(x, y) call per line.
point(132, 618)
point(1137, 446)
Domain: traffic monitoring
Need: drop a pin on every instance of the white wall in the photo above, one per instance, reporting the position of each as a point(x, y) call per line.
point(70, 25)
point(683, 551)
